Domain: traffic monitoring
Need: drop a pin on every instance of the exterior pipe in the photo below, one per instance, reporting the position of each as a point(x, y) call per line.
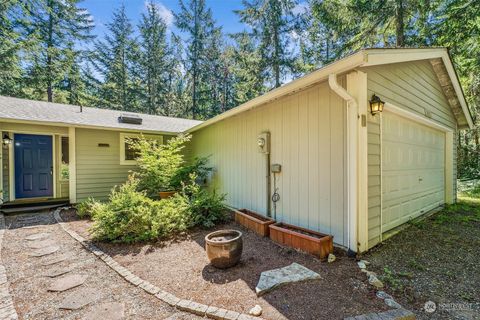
point(351, 172)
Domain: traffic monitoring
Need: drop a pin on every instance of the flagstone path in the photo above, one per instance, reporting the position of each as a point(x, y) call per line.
point(48, 275)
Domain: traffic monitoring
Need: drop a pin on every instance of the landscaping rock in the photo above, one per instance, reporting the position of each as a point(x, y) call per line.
point(58, 272)
point(373, 280)
point(68, 282)
point(107, 311)
point(79, 299)
point(256, 311)
point(383, 295)
point(365, 262)
point(392, 303)
point(274, 278)
point(44, 251)
point(38, 236)
point(55, 260)
point(331, 258)
point(38, 244)
point(361, 265)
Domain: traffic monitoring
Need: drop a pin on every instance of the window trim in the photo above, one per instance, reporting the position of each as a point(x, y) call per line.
point(123, 136)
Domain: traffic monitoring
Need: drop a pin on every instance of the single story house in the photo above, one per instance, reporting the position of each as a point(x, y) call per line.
point(316, 146)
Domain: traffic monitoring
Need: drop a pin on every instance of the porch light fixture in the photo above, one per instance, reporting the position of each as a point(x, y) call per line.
point(6, 140)
point(376, 105)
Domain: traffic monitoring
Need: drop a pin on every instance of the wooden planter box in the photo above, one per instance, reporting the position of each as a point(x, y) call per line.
point(253, 221)
point(313, 242)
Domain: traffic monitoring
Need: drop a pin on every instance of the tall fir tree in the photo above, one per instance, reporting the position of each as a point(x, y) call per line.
point(272, 22)
point(246, 68)
point(117, 62)
point(195, 19)
point(11, 43)
point(55, 25)
point(154, 56)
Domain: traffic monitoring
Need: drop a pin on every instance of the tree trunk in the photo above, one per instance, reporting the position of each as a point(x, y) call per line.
point(400, 23)
point(276, 62)
point(49, 54)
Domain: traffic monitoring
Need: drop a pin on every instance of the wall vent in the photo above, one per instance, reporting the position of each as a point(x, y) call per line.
point(129, 118)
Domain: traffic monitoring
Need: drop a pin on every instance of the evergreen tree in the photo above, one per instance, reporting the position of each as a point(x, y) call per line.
point(272, 22)
point(55, 25)
point(116, 60)
point(10, 44)
point(154, 59)
point(195, 19)
point(248, 80)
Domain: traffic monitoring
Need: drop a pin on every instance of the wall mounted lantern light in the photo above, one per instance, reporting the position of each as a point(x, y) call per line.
point(6, 140)
point(376, 105)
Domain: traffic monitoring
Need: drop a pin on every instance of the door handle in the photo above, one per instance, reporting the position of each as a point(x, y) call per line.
point(51, 171)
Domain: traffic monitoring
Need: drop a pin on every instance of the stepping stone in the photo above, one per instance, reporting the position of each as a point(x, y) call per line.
point(68, 282)
point(38, 236)
point(38, 244)
point(44, 251)
point(79, 299)
point(59, 272)
point(107, 311)
point(274, 278)
point(55, 260)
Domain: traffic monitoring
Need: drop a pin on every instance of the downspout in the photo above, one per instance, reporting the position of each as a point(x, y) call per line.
point(352, 212)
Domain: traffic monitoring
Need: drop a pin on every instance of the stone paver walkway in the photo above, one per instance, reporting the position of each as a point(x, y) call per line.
point(51, 276)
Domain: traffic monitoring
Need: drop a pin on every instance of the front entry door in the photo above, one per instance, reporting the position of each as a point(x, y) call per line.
point(33, 166)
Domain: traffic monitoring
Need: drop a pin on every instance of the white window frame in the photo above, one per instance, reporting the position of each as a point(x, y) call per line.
point(123, 136)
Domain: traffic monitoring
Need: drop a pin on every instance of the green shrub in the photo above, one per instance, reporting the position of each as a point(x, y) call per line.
point(85, 208)
point(207, 208)
point(126, 217)
point(158, 164)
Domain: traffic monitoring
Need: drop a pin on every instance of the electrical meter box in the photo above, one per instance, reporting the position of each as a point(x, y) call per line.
point(276, 168)
point(263, 142)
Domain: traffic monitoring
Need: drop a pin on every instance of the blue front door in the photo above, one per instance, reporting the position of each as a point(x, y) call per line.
point(33, 166)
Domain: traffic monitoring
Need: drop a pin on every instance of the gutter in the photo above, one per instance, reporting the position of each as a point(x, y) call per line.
point(351, 169)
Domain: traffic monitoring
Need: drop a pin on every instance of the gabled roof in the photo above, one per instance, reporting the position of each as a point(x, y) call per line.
point(365, 58)
point(57, 114)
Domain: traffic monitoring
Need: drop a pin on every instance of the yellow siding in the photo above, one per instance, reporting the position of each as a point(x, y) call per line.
point(307, 138)
point(412, 86)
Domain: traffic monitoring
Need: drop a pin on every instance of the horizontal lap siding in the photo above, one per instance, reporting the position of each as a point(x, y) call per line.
point(412, 86)
point(98, 168)
point(307, 139)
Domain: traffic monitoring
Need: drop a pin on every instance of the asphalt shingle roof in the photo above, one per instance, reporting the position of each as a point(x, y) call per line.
point(57, 113)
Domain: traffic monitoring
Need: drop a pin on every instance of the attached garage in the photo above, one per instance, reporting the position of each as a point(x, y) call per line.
point(345, 170)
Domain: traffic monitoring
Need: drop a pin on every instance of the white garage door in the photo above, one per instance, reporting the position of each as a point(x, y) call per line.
point(413, 168)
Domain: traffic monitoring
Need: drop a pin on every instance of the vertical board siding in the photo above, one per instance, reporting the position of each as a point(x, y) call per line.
point(98, 168)
point(412, 86)
point(307, 138)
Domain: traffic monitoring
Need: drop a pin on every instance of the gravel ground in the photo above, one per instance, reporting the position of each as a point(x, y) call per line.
point(181, 267)
point(28, 283)
point(435, 259)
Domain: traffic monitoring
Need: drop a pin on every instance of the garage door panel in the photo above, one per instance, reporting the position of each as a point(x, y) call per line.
point(413, 170)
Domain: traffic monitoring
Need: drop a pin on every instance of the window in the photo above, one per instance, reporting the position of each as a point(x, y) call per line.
point(127, 153)
point(65, 158)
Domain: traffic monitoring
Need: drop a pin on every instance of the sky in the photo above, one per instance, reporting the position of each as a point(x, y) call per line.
point(101, 10)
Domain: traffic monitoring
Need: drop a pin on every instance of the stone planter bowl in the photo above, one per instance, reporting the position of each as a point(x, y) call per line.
point(224, 248)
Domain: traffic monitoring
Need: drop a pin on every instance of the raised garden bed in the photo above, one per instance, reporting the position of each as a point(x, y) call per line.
point(253, 221)
point(313, 242)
